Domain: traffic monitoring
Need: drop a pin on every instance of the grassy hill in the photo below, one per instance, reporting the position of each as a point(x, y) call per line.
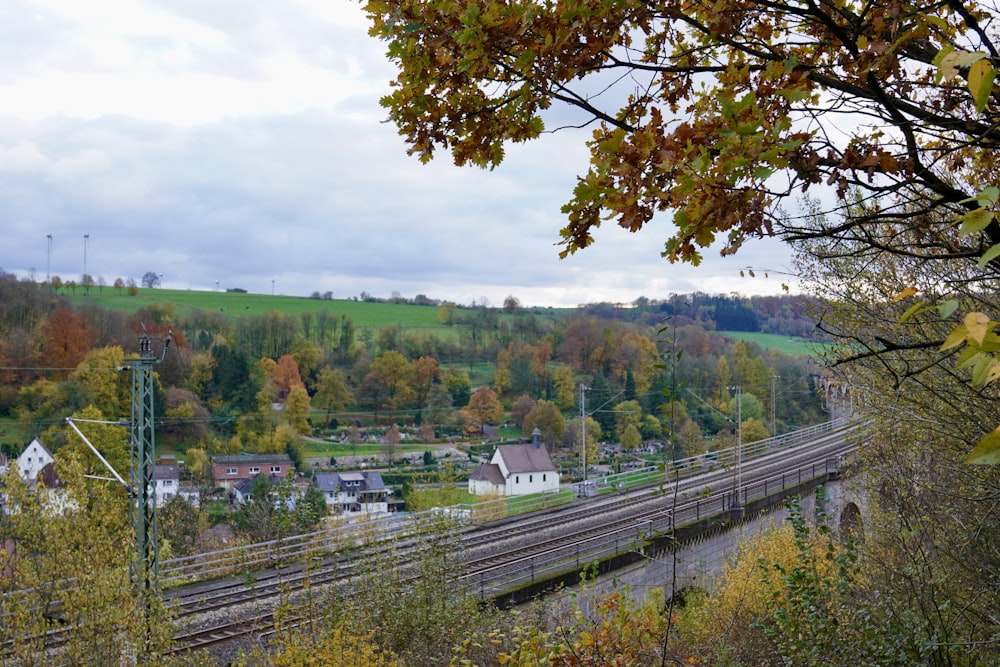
point(787, 345)
point(238, 304)
point(364, 314)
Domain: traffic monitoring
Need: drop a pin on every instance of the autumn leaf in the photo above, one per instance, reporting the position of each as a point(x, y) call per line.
point(908, 292)
point(987, 449)
point(978, 325)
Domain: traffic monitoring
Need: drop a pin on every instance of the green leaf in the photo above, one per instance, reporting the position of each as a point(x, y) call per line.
point(987, 450)
point(989, 196)
point(975, 220)
point(918, 307)
point(794, 94)
point(981, 76)
point(763, 173)
point(989, 255)
point(983, 369)
point(946, 308)
point(955, 338)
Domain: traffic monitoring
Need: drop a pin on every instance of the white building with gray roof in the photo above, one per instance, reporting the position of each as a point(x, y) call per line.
point(516, 470)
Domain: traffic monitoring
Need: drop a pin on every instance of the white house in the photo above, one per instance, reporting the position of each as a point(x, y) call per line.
point(516, 470)
point(168, 482)
point(354, 491)
point(33, 459)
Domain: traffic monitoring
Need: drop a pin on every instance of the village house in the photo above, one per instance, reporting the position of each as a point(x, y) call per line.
point(242, 492)
point(168, 482)
point(231, 469)
point(354, 492)
point(33, 459)
point(516, 470)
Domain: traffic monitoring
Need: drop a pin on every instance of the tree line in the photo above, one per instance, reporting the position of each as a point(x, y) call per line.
point(257, 383)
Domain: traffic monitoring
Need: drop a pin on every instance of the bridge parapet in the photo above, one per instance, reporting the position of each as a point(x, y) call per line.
point(668, 530)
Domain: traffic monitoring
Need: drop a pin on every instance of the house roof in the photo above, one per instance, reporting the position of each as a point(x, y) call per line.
point(488, 472)
point(49, 478)
point(244, 485)
point(526, 458)
point(330, 481)
point(40, 444)
point(251, 458)
point(162, 471)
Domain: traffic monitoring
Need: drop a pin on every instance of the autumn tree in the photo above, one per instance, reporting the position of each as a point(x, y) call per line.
point(308, 357)
point(72, 556)
point(394, 371)
point(725, 110)
point(110, 388)
point(439, 407)
point(631, 438)
point(67, 337)
point(284, 374)
point(923, 415)
point(390, 443)
point(332, 392)
point(627, 413)
point(426, 372)
point(563, 386)
point(522, 406)
point(485, 407)
point(184, 418)
point(458, 384)
point(547, 418)
point(297, 409)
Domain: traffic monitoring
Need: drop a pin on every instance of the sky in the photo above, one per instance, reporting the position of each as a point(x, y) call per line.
point(240, 144)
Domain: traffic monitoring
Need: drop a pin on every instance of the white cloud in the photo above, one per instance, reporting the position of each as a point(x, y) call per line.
point(242, 142)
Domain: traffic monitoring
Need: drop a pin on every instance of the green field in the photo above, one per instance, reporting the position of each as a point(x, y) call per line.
point(364, 315)
point(237, 304)
point(784, 344)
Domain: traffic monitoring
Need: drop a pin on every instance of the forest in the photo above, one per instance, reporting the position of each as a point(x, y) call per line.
point(220, 384)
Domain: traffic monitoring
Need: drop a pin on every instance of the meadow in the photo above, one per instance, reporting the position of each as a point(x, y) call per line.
point(364, 314)
point(239, 304)
point(784, 344)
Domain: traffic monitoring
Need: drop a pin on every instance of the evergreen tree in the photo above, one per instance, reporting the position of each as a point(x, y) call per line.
point(599, 405)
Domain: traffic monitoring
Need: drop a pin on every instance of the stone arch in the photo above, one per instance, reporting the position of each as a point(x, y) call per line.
point(851, 525)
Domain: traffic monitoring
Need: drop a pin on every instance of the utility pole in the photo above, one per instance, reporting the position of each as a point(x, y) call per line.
point(583, 431)
point(774, 376)
point(737, 471)
point(141, 489)
point(48, 262)
point(146, 566)
point(83, 279)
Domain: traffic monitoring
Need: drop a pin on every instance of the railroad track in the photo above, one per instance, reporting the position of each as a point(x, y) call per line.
point(499, 554)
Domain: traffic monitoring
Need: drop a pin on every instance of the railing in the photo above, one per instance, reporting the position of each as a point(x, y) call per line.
point(502, 507)
point(243, 559)
point(570, 557)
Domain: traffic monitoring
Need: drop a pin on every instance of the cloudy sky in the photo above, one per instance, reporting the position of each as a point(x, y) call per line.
point(240, 143)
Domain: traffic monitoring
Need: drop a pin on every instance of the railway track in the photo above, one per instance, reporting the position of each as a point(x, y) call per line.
point(499, 555)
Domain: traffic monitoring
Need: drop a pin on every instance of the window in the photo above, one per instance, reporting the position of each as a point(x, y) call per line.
point(275, 468)
point(531, 478)
point(517, 479)
point(254, 470)
point(168, 482)
point(543, 476)
point(231, 471)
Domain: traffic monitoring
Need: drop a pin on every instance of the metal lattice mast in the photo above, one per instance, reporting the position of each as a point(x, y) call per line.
point(146, 565)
